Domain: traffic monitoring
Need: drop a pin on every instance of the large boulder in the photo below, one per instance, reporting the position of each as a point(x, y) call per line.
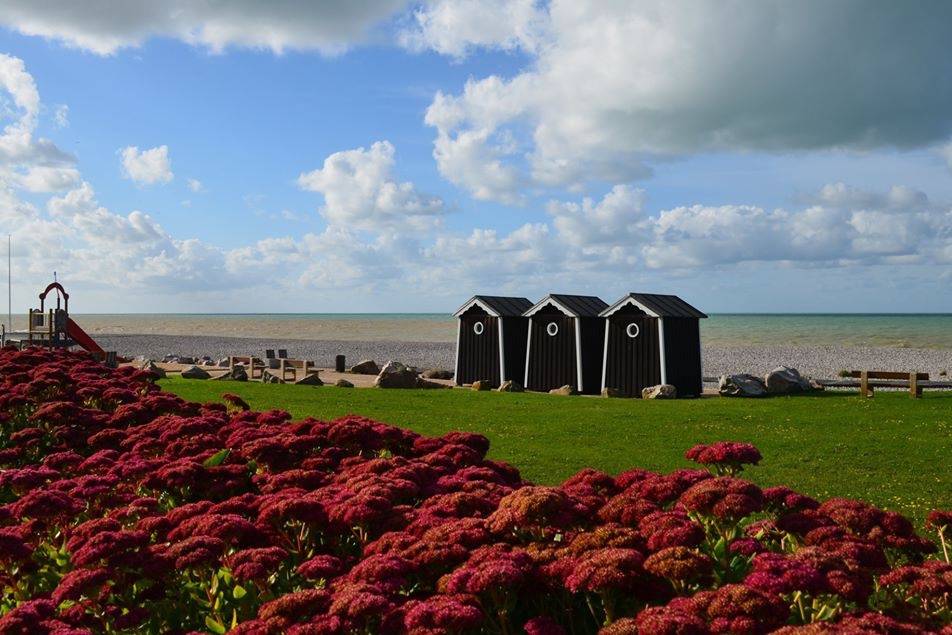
point(365, 367)
point(608, 391)
point(511, 386)
point(482, 384)
point(309, 380)
point(235, 373)
point(149, 366)
point(437, 373)
point(268, 377)
point(566, 390)
point(785, 380)
point(396, 375)
point(661, 391)
point(742, 385)
point(194, 372)
point(343, 383)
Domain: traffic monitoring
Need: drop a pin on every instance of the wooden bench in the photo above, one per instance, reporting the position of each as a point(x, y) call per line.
point(252, 365)
point(292, 366)
point(866, 388)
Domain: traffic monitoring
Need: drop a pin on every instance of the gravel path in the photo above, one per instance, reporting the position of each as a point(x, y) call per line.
point(816, 361)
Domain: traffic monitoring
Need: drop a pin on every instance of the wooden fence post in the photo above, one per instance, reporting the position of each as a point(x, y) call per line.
point(864, 388)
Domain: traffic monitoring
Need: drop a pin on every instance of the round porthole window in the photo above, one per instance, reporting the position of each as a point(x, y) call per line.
point(478, 328)
point(552, 329)
point(632, 330)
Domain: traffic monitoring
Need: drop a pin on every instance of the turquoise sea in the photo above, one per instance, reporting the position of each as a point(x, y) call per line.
point(726, 329)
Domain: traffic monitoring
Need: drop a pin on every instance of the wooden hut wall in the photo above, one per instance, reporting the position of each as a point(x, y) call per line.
point(682, 352)
point(478, 354)
point(551, 358)
point(514, 333)
point(593, 335)
point(632, 363)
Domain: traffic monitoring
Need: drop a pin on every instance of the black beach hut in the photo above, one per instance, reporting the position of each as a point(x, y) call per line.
point(491, 339)
point(652, 339)
point(564, 347)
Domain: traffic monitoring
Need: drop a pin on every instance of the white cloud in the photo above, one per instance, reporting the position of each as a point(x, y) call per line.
point(615, 85)
point(195, 185)
point(146, 166)
point(360, 191)
point(104, 26)
point(456, 27)
point(61, 116)
point(617, 218)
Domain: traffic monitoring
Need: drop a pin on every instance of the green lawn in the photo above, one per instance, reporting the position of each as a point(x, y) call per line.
point(890, 450)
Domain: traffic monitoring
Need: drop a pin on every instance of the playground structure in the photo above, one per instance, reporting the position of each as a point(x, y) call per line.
point(51, 328)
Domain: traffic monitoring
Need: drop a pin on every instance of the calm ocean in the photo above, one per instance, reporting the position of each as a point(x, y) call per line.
point(891, 330)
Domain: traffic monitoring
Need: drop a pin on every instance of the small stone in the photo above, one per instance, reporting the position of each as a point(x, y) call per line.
point(566, 390)
point(343, 383)
point(365, 367)
point(742, 385)
point(482, 384)
point(511, 386)
point(609, 391)
point(223, 362)
point(194, 372)
point(309, 380)
point(661, 391)
point(270, 378)
point(437, 373)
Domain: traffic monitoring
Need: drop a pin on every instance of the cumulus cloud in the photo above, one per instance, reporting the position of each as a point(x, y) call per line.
point(104, 26)
point(146, 166)
point(615, 86)
point(61, 116)
point(456, 27)
point(195, 185)
point(360, 191)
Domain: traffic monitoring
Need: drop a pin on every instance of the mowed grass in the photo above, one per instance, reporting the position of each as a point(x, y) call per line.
point(891, 450)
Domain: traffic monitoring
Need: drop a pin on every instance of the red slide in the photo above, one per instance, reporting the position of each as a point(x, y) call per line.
point(81, 337)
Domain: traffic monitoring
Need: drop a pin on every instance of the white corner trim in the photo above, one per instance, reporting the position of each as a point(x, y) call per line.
point(664, 362)
point(459, 327)
point(502, 353)
point(548, 300)
point(578, 353)
point(525, 383)
point(475, 302)
point(605, 355)
point(627, 300)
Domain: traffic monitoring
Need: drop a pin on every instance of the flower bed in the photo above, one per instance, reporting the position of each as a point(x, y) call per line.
point(125, 508)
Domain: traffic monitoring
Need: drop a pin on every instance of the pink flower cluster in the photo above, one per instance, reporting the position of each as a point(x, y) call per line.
point(124, 508)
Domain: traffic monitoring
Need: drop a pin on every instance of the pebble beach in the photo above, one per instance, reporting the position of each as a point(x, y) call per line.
point(815, 361)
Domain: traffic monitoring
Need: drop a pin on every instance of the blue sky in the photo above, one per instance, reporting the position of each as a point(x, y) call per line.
point(402, 157)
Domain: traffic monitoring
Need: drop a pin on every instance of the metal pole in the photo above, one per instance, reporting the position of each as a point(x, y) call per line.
point(9, 282)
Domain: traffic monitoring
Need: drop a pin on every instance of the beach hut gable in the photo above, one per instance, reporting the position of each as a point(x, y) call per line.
point(490, 339)
point(651, 339)
point(564, 343)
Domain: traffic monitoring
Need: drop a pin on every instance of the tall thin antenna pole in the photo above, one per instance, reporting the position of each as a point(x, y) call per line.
point(9, 282)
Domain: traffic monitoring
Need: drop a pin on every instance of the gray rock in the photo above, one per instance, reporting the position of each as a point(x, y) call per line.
point(309, 380)
point(566, 390)
point(437, 373)
point(343, 383)
point(149, 366)
point(194, 372)
point(236, 373)
point(365, 367)
point(743, 385)
point(183, 359)
point(223, 362)
point(511, 386)
point(270, 378)
point(396, 375)
point(661, 391)
point(608, 391)
point(785, 380)
point(482, 384)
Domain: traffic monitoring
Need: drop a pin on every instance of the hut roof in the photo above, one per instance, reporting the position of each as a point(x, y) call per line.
point(497, 305)
point(656, 305)
point(573, 305)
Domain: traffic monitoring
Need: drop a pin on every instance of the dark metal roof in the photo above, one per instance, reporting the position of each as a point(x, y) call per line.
point(577, 305)
point(661, 305)
point(501, 305)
